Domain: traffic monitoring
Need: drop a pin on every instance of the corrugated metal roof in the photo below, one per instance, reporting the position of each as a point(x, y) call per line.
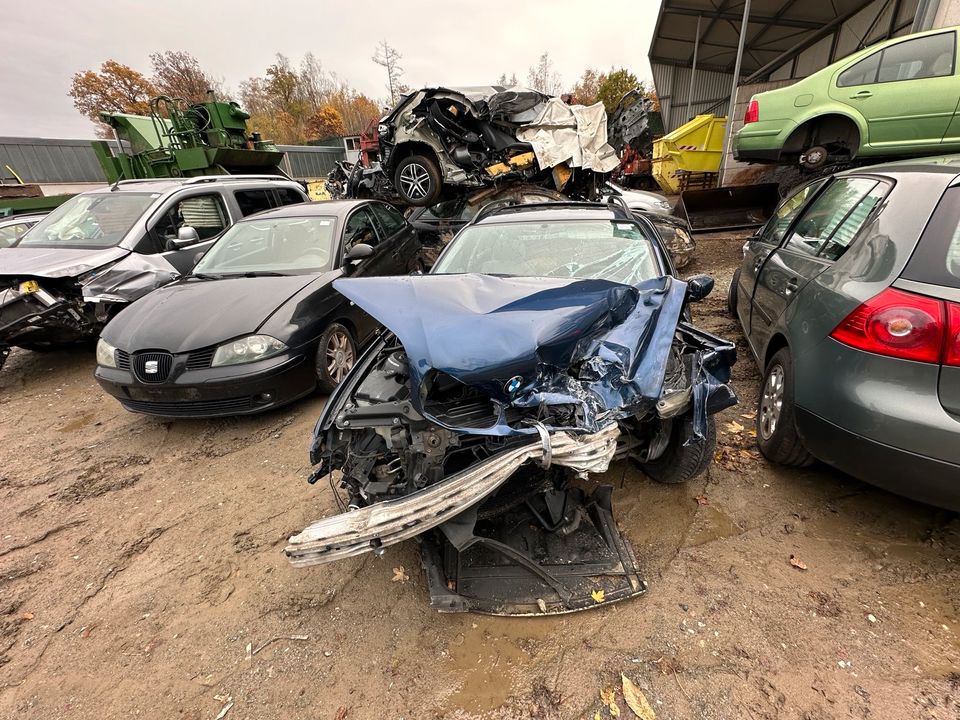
point(776, 28)
point(49, 160)
point(45, 160)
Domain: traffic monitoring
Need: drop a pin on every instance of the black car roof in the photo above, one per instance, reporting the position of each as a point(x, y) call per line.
point(320, 208)
point(545, 212)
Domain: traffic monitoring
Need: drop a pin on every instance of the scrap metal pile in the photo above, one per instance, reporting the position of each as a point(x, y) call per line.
point(438, 143)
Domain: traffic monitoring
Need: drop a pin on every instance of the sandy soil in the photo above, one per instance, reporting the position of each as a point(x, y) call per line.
point(142, 575)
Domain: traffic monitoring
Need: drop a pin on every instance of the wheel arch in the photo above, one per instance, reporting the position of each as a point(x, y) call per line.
point(826, 128)
point(413, 147)
point(776, 343)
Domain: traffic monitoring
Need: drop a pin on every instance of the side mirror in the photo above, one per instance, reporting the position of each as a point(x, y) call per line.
point(698, 287)
point(186, 236)
point(358, 252)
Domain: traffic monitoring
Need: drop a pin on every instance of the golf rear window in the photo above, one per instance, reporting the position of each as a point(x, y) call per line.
point(936, 259)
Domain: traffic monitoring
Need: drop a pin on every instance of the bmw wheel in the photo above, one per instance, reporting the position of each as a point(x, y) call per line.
point(418, 181)
point(336, 354)
point(776, 418)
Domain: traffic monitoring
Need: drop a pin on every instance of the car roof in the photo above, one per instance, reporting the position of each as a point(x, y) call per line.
point(938, 164)
point(320, 208)
point(166, 184)
point(549, 211)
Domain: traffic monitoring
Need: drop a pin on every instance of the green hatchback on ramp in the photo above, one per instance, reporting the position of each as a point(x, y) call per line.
point(898, 98)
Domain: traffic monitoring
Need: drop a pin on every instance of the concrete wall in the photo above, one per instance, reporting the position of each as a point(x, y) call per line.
point(948, 14)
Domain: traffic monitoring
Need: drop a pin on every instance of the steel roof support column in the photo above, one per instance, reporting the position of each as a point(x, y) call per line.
point(693, 69)
point(733, 93)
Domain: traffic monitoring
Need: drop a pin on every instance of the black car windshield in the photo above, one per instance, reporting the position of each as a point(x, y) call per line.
point(92, 221)
point(594, 249)
point(287, 245)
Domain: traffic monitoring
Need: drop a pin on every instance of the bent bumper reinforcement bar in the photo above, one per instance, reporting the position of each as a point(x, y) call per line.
point(393, 521)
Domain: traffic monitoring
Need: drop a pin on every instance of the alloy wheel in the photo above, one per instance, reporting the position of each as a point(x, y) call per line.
point(771, 402)
point(339, 355)
point(415, 181)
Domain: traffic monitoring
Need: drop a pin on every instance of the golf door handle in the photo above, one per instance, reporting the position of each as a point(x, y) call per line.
point(792, 285)
point(758, 262)
point(862, 95)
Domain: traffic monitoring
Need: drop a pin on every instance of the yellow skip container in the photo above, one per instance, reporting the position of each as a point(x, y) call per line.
point(695, 147)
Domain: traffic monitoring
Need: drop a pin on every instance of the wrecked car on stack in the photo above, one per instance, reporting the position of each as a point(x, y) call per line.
point(548, 340)
point(440, 141)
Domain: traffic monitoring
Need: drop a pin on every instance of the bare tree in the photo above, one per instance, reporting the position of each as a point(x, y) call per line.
point(179, 74)
point(543, 77)
point(389, 57)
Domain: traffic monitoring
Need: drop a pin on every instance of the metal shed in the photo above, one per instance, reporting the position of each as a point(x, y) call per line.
point(785, 40)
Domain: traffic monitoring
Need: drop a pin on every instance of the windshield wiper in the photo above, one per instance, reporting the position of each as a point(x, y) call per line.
point(262, 273)
point(202, 276)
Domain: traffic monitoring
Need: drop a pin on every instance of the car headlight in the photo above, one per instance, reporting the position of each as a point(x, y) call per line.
point(106, 354)
point(248, 349)
point(663, 204)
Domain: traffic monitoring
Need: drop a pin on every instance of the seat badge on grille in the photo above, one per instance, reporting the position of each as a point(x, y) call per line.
point(151, 367)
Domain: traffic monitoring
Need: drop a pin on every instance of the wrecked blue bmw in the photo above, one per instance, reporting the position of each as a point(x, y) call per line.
point(548, 341)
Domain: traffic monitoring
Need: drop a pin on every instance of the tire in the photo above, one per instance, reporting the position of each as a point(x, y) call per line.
point(680, 463)
point(418, 181)
point(814, 158)
point(776, 416)
point(331, 368)
point(732, 294)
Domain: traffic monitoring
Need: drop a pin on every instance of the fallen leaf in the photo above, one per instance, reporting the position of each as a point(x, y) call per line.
point(399, 575)
point(223, 713)
point(636, 700)
point(750, 415)
point(597, 596)
point(702, 500)
point(734, 427)
point(752, 433)
point(614, 709)
point(27, 616)
point(341, 713)
point(596, 716)
point(608, 695)
point(797, 562)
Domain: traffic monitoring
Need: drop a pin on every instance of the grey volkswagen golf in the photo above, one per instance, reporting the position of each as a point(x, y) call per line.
point(850, 301)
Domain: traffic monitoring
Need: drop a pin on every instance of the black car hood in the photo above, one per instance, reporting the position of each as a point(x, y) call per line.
point(55, 262)
point(191, 314)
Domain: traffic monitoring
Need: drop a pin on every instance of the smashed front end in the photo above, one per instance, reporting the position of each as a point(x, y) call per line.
point(59, 306)
point(474, 422)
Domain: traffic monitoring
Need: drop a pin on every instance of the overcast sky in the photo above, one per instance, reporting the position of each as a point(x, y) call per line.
point(444, 42)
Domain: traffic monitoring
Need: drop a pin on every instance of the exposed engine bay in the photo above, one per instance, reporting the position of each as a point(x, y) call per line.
point(475, 421)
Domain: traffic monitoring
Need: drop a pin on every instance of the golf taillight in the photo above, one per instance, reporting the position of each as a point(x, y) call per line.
point(753, 113)
point(903, 325)
point(951, 345)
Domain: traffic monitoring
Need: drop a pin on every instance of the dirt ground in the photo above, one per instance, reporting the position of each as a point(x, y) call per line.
point(142, 575)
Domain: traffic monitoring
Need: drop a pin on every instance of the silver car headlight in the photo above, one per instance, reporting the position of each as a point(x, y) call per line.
point(248, 349)
point(106, 354)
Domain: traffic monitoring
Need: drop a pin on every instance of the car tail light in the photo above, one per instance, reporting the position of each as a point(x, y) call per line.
point(753, 113)
point(951, 346)
point(898, 324)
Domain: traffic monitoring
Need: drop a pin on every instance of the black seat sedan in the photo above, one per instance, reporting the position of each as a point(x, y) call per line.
point(257, 324)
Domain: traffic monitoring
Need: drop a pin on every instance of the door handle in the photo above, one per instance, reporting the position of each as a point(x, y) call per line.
point(862, 95)
point(758, 261)
point(792, 285)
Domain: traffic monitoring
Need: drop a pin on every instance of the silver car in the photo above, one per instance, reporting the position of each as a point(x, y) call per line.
point(850, 300)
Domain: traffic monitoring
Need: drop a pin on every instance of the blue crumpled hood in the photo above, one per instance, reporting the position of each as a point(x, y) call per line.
point(599, 345)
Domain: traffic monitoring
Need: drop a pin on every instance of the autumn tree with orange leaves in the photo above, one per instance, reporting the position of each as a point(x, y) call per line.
point(116, 88)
